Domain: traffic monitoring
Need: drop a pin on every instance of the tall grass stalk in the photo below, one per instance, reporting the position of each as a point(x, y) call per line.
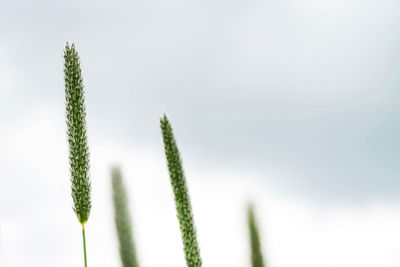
point(182, 200)
point(257, 259)
point(77, 139)
point(122, 220)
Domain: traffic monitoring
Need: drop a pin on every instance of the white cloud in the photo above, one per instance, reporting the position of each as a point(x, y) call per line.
point(315, 80)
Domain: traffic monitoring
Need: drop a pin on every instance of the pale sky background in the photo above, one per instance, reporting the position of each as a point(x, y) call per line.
point(291, 104)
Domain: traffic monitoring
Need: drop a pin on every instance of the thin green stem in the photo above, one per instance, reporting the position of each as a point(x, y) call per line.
point(84, 243)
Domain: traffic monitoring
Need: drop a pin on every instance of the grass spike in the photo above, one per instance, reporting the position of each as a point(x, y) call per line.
point(257, 259)
point(122, 220)
point(182, 200)
point(77, 139)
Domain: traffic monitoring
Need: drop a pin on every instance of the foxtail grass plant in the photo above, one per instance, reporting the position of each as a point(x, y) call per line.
point(122, 220)
point(182, 200)
point(77, 139)
point(257, 259)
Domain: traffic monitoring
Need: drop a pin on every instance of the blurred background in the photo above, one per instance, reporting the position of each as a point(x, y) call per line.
point(290, 104)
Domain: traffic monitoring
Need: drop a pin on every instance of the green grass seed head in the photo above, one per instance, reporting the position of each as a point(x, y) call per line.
point(257, 259)
point(122, 220)
point(182, 200)
point(76, 132)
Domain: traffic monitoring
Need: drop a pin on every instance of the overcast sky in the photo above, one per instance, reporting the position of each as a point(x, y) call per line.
point(293, 104)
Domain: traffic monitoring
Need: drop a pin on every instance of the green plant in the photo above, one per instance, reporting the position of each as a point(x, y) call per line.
point(256, 253)
point(182, 200)
point(77, 140)
point(123, 221)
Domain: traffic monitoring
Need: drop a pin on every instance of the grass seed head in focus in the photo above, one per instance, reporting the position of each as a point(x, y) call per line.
point(76, 132)
point(182, 200)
